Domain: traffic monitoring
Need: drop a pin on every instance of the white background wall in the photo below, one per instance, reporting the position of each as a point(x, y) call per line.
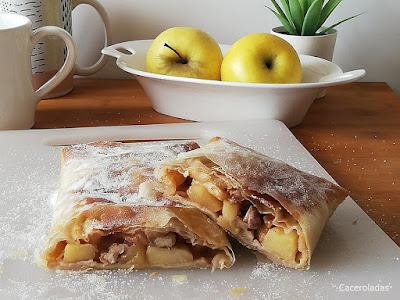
point(370, 41)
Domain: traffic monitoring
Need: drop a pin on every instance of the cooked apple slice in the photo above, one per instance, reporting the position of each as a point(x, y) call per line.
point(175, 177)
point(229, 213)
point(168, 256)
point(199, 194)
point(136, 254)
point(283, 244)
point(199, 171)
point(230, 210)
point(216, 191)
point(79, 252)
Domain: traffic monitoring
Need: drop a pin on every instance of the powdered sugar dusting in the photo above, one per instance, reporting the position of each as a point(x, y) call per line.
point(25, 215)
point(297, 188)
point(113, 171)
point(278, 279)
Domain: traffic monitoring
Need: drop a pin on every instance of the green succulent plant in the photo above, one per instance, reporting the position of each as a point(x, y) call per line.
point(305, 17)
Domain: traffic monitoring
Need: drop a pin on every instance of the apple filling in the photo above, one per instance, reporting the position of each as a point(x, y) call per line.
point(141, 249)
point(255, 219)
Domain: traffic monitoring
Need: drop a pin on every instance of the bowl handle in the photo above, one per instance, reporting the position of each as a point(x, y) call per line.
point(343, 78)
point(118, 50)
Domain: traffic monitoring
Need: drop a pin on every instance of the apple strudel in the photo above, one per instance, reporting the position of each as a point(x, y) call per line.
point(267, 205)
point(102, 220)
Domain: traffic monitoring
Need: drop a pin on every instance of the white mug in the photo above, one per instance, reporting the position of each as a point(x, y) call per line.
point(49, 54)
point(18, 98)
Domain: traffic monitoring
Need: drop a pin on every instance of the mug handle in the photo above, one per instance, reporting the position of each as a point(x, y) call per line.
point(69, 63)
point(84, 71)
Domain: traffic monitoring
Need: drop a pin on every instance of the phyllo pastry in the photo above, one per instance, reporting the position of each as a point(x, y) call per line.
point(102, 220)
point(264, 203)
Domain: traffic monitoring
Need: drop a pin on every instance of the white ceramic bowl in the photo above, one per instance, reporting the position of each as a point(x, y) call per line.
point(212, 100)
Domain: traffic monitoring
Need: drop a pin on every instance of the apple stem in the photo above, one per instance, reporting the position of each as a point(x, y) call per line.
point(183, 61)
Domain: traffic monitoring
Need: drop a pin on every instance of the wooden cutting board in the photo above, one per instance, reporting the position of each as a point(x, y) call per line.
point(354, 259)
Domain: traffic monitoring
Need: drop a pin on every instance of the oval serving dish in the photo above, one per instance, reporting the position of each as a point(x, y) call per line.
point(212, 100)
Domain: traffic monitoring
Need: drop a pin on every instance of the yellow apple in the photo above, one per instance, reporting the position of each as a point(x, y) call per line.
point(261, 58)
point(185, 52)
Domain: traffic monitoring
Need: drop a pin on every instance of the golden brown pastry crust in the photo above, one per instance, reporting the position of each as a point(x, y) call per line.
point(299, 201)
point(98, 204)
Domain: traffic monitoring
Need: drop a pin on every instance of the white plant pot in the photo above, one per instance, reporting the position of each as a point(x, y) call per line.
point(319, 45)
